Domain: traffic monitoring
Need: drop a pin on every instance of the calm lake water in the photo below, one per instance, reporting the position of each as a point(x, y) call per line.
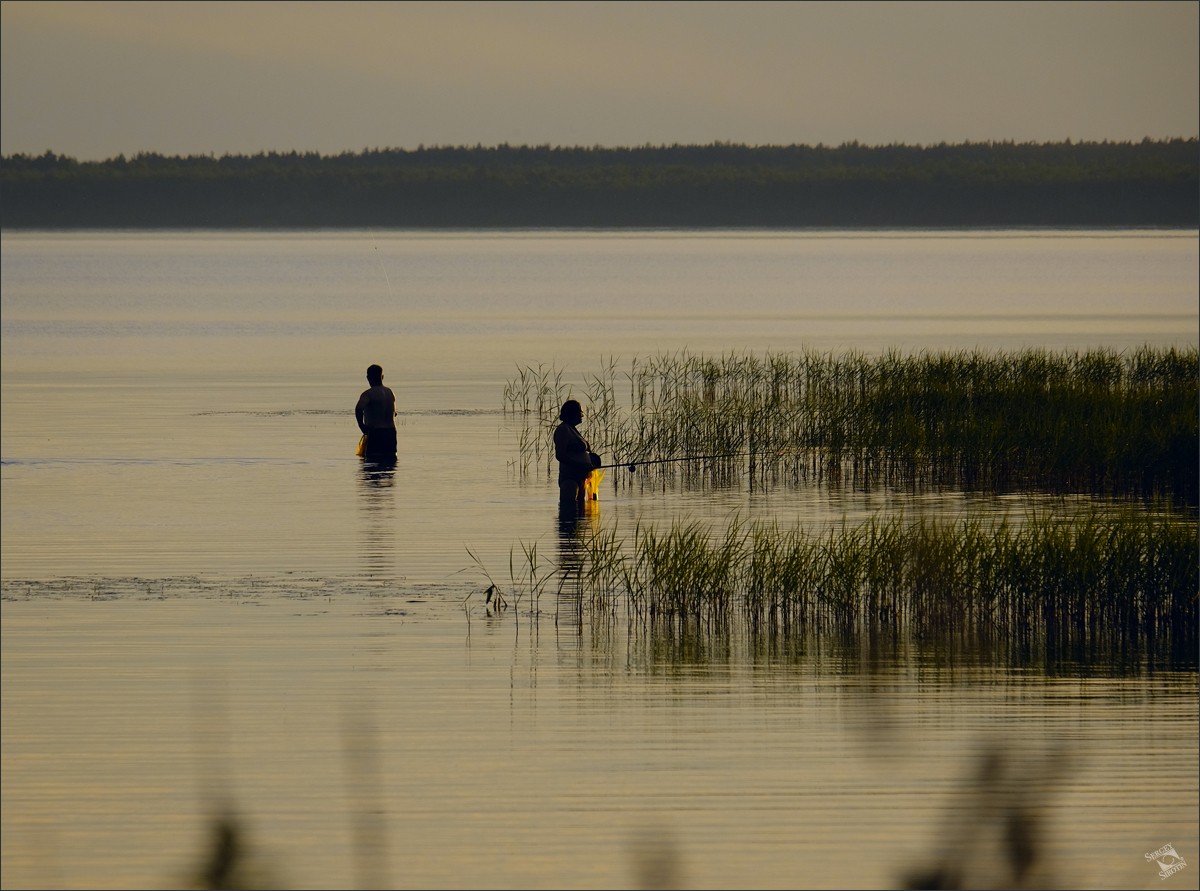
point(209, 604)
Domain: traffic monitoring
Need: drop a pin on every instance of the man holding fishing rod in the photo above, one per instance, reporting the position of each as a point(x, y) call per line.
point(575, 457)
point(376, 416)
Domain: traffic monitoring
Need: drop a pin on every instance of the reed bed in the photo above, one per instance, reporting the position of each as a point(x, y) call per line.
point(1098, 421)
point(1098, 586)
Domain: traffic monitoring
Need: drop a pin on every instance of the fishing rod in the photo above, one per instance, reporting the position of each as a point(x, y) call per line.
point(632, 466)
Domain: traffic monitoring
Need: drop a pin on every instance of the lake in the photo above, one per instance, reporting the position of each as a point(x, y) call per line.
point(211, 606)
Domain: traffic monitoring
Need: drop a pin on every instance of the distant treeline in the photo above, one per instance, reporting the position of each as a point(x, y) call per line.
point(995, 184)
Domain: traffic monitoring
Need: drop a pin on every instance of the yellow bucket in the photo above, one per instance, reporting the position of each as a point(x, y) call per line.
point(591, 485)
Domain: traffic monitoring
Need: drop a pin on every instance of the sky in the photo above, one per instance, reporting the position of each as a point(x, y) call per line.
point(95, 80)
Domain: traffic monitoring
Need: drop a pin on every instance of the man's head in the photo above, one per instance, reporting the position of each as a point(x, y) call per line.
point(375, 375)
point(571, 413)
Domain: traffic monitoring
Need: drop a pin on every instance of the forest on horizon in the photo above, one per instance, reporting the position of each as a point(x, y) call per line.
point(1152, 183)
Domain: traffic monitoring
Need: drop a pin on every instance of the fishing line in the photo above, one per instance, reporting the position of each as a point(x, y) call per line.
point(382, 268)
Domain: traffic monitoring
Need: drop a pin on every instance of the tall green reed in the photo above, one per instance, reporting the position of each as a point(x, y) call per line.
point(1090, 584)
point(1097, 421)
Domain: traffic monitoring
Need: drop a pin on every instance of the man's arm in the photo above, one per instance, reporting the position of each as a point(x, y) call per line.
point(360, 413)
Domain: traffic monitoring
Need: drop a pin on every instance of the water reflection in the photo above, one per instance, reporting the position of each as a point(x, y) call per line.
point(376, 485)
point(576, 524)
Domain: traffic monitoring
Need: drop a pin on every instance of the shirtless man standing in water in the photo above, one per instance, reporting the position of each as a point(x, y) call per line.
point(376, 416)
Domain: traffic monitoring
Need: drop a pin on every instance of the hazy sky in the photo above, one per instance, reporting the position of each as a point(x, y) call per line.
point(96, 79)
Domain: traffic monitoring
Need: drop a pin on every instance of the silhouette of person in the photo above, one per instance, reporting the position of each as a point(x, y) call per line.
point(575, 457)
point(376, 416)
